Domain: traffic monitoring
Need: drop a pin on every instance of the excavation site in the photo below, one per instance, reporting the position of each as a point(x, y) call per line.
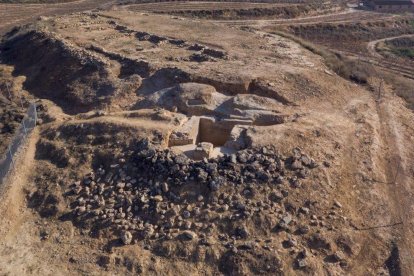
point(205, 138)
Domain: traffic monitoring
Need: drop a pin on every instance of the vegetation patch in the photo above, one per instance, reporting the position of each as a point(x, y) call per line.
point(350, 36)
point(341, 65)
point(402, 47)
point(292, 11)
point(404, 52)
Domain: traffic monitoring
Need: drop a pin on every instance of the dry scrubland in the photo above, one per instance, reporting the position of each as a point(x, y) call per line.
point(162, 149)
point(399, 47)
point(237, 10)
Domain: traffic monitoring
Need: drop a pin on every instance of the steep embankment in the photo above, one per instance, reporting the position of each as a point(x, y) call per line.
point(58, 70)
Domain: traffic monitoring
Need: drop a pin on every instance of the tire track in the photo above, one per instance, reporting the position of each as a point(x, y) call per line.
point(402, 185)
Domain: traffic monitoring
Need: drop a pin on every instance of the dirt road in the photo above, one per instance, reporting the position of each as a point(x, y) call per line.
point(349, 15)
point(395, 134)
point(373, 44)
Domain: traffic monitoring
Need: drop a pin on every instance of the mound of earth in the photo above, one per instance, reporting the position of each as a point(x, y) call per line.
point(200, 99)
point(68, 74)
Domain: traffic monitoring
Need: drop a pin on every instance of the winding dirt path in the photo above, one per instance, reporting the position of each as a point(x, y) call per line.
point(343, 16)
point(13, 208)
point(372, 45)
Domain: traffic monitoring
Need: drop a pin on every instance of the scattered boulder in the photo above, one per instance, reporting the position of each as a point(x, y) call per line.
point(126, 237)
point(317, 241)
point(203, 150)
point(189, 235)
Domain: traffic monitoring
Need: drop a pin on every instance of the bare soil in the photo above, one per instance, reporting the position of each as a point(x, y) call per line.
point(318, 180)
point(12, 14)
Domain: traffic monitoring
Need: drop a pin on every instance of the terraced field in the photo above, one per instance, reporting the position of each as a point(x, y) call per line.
point(340, 16)
point(347, 31)
point(233, 10)
point(194, 6)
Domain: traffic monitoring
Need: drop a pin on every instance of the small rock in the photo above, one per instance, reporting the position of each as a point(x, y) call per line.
point(304, 229)
point(233, 159)
point(189, 235)
point(242, 232)
point(337, 204)
point(304, 210)
point(186, 214)
point(338, 256)
point(289, 243)
point(286, 219)
point(297, 165)
point(157, 198)
point(317, 241)
point(276, 196)
point(126, 237)
point(301, 263)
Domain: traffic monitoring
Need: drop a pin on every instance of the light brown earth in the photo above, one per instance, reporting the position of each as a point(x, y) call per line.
point(16, 14)
point(280, 93)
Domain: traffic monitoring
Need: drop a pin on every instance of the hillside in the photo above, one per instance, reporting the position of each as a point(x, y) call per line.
point(169, 143)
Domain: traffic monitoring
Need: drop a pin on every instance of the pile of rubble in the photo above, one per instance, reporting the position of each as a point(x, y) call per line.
point(156, 193)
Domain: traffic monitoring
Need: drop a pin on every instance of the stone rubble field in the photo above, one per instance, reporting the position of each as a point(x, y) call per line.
point(153, 196)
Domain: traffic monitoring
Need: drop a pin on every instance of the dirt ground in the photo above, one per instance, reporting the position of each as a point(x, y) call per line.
point(16, 14)
point(116, 85)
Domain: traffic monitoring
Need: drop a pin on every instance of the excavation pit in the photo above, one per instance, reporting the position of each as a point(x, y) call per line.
point(205, 137)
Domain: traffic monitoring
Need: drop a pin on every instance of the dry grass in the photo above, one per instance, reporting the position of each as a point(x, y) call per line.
point(403, 87)
point(358, 72)
point(352, 36)
point(341, 65)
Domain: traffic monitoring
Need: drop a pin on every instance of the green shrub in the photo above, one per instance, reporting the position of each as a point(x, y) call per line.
point(404, 52)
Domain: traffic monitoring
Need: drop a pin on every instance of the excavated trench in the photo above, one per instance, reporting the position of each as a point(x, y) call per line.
point(214, 132)
point(209, 137)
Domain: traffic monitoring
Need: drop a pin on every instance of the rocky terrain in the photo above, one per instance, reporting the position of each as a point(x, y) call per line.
point(230, 204)
point(169, 145)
